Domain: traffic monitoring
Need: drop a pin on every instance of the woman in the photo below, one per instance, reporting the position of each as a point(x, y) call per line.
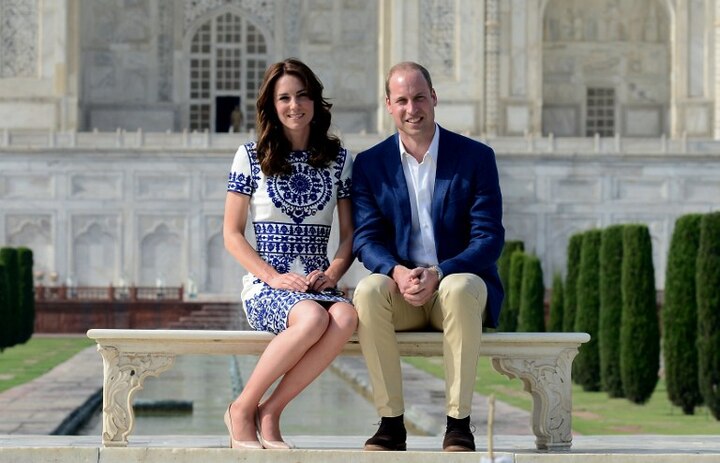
point(291, 179)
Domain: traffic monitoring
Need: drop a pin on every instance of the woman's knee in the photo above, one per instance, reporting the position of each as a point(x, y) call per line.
point(344, 316)
point(309, 317)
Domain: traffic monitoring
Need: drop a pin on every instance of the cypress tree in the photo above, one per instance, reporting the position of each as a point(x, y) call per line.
point(8, 257)
point(587, 363)
point(573, 267)
point(517, 264)
point(556, 305)
point(679, 315)
point(532, 300)
point(708, 311)
point(611, 252)
point(639, 331)
point(26, 294)
point(5, 333)
point(506, 323)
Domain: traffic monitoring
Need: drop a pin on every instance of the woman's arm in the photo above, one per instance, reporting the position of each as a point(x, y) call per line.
point(234, 222)
point(343, 256)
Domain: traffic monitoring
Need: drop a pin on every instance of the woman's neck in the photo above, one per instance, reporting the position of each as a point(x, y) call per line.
point(298, 140)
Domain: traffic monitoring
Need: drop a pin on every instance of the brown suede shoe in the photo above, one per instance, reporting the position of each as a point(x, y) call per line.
point(391, 435)
point(458, 441)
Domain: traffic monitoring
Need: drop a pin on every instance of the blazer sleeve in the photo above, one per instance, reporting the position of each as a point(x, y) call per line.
point(371, 236)
point(486, 234)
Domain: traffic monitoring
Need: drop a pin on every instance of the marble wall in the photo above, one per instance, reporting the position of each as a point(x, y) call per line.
point(135, 215)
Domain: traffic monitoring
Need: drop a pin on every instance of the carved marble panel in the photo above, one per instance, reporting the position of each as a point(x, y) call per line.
point(697, 120)
point(522, 227)
point(262, 10)
point(19, 38)
point(576, 190)
point(518, 188)
point(561, 121)
point(438, 23)
point(154, 186)
point(18, 185)
point(213, 186)
point(162, 241)
point(96, 185)
point(643, 122)
point(640, 190)
point(518, 119)
point(34, 231)
point(95, 259)
point(700, 190)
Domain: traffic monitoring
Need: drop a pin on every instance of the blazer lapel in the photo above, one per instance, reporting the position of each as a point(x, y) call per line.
point(401, 194)
point(446, 162)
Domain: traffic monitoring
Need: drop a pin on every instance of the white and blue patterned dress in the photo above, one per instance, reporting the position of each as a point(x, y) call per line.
point(291, 215)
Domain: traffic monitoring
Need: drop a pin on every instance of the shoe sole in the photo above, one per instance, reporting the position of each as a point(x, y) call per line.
point(457, 448)
point(380, 448)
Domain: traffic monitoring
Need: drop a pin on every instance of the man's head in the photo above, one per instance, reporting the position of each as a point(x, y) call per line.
point(410, 99)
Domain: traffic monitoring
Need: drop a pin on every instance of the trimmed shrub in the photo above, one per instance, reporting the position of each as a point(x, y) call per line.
point(639, 331)
point(532, 300)
point(611, 252)
point(587, 363)
point(506, 322)
point(517, 264)
point(5, 333)
point(556, 305)
point(708, 311)
point(26, 294)
point(573, 267)
point(11, 318)
point(679, 315)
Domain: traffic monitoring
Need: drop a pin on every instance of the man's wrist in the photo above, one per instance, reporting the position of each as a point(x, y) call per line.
point(438, 271)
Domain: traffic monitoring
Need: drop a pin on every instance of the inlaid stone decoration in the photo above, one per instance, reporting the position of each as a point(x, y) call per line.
point(438, 25)
point(620, 46)
point(18, 38)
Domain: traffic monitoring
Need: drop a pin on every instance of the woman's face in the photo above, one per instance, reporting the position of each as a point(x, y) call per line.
point(293, 105)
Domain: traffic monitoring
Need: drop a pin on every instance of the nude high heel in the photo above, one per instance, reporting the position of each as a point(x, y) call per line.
point(270, 444)
point(238, 444)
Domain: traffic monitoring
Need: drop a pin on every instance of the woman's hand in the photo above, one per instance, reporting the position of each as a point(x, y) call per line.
point(318, 280)
point(289, 281)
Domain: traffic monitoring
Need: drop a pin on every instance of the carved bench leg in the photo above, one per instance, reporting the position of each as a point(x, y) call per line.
point(548, 381)
point(123, 375)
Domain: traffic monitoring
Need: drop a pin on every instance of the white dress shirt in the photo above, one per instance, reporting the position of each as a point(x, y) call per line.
point(420, 179)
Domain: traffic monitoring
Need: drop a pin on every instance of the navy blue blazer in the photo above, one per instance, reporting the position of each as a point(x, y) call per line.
point(466, 211)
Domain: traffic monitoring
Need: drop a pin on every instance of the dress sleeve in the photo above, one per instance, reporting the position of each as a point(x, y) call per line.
point(345, 181)
point(243, 176)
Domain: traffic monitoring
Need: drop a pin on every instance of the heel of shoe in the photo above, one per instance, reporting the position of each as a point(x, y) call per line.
point(236, 444)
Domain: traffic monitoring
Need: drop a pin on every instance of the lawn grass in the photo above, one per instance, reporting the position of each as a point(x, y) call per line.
point(25, 362)
point(593, 412)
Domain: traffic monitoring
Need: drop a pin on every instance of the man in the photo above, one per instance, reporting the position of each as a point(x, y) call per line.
point(428, 225)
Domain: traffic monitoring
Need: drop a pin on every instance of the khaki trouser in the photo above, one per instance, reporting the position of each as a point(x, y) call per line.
point(456, 309)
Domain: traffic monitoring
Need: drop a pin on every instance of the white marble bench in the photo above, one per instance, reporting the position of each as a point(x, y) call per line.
point(541, 360)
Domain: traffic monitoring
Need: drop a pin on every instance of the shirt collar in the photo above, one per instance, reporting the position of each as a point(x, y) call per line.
point(432, 149)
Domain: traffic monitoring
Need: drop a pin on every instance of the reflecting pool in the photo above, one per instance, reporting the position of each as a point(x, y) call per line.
point(329, 406)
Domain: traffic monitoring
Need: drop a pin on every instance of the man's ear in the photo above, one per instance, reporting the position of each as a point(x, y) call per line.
point(433, 96)
point(387, 104)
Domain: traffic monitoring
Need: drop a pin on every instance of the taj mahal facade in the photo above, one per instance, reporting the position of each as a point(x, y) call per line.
point(117, 128)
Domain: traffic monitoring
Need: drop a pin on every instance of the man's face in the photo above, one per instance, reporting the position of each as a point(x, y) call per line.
point(411, 102)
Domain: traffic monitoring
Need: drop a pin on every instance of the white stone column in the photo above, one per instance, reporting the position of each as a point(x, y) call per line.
point(492, 68)
point(716, 63)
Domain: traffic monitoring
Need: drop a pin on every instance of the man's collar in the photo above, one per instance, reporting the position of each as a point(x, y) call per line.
point(432, 149)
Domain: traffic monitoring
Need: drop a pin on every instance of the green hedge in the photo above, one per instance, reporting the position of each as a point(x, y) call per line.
point(708, 311)
point(573, 267)
point(532, 299)
point(26, 294)
point(639, 332)
point(679, 315)
point(517, 262)
point(611, 253)
point(5, 332)
point(12, 317)
point(587, 363)
point(556, 305)
point(508, 319)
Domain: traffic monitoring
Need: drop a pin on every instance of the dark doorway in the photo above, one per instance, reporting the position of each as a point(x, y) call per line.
point(224, 107)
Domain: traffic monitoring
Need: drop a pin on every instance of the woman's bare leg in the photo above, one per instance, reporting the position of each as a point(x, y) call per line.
point(342, 324)
point(307, 323)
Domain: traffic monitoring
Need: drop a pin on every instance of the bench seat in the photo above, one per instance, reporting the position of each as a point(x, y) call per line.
point(541, 360)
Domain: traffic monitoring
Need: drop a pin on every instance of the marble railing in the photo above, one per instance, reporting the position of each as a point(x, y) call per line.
point(187, 140)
